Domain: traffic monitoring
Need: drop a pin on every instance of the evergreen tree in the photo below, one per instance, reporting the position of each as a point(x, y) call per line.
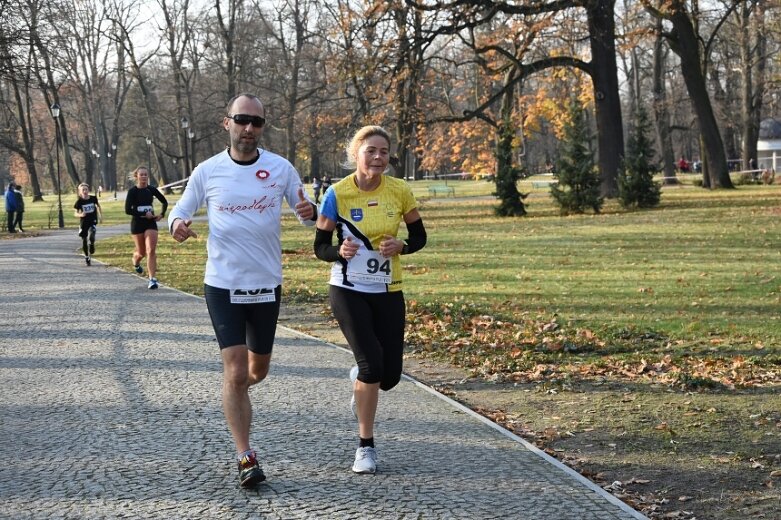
point(578, 187)
point(636, 186)
point(507, 175)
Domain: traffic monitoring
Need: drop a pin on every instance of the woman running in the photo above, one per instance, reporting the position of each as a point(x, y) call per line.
point(143, 225)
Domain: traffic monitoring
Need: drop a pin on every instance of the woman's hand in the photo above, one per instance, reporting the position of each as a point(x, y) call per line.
point(391, 246)
point(348, 249)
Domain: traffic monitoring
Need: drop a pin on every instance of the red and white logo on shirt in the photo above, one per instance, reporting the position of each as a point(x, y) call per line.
point(262, 174)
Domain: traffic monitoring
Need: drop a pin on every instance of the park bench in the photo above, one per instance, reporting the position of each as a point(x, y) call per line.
point(441, 188)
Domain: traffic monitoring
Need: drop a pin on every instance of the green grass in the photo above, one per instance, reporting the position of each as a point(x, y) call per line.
point(698, 276)
point(42, 215)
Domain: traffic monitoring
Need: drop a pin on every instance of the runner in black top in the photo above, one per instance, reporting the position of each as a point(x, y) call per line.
point(88, 210)
point(143, 226)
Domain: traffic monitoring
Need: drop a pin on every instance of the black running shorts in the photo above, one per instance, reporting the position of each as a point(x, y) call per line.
point(251, 324)
point(141, 225)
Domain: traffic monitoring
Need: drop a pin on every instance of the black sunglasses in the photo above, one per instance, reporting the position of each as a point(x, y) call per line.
point(245, 119)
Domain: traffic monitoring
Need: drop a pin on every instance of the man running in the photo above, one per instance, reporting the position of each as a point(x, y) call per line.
point(243, 188)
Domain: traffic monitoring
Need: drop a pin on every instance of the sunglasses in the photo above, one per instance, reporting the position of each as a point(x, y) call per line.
point(245, 119)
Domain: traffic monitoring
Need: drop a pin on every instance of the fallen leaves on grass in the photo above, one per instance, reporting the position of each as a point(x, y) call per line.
point(531, 348)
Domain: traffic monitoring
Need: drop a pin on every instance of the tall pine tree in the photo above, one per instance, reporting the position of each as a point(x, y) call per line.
point(578, 187)
point(636, 186)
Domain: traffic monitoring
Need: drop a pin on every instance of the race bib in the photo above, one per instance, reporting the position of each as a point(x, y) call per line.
point(369, 266)
point(253, 295)
point(144, 209)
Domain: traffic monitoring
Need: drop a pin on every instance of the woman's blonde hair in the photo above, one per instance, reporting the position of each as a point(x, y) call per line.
point(78, 188)
point(134, 174)
point(359, 138)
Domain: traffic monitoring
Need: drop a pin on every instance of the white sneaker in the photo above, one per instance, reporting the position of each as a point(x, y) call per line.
point(353, 378)
point(365, 460)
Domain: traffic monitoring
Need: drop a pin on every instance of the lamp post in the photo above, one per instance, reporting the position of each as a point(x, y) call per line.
point(185, 125)
point(55, 108)
point(148, 152)
point(191, 135)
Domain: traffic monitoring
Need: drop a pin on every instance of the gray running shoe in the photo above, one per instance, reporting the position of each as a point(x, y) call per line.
point(153, 283)
point(365, 460)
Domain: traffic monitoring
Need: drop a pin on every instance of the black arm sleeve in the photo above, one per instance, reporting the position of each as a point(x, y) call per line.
point(324, 249)
point(416, 239)
point(130, 202)
point(163, 201)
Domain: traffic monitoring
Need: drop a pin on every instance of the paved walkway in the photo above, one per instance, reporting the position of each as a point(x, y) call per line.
point(110, 407)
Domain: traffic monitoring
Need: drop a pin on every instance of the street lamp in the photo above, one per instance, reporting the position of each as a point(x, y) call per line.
point(191, 135)
point(185, 125)
point(55, 108)
point(149, 153)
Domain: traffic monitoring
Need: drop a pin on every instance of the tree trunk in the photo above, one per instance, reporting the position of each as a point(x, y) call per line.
point(685, 44)
point(751, 93)
point(24, 113)
point(604, 74)
point(661, 111)
point(510, 200)
point(407, 80)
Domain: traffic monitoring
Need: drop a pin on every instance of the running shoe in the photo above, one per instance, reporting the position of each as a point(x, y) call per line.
point(92, 248)
point(153, 283)
point(250, 473)
point(88, 260)
point(138, 268)
point(365, 460)
point(353, 378)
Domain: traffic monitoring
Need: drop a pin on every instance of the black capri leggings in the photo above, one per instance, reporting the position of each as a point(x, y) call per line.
point(373, 324)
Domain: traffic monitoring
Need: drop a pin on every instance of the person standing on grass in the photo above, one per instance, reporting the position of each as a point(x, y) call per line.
point(19, 207)
point(87, 209)
point(10, 207)
point(243, 189)
point(316, 185)
point(143, 226)
point(366, 209)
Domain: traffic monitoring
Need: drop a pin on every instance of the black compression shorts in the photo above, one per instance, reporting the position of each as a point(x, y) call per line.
point(251, 324)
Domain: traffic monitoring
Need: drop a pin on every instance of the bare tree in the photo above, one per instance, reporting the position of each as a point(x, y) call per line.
point(752, 34)
point(123, 35)
point(661, 107)
point(690, 47)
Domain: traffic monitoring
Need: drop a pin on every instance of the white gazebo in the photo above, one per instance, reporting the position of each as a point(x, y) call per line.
point(769, 144)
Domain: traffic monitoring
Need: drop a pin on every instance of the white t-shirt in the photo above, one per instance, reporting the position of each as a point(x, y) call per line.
point(244, 205)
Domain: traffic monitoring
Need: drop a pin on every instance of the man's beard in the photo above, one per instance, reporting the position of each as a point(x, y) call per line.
point(245, 146)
